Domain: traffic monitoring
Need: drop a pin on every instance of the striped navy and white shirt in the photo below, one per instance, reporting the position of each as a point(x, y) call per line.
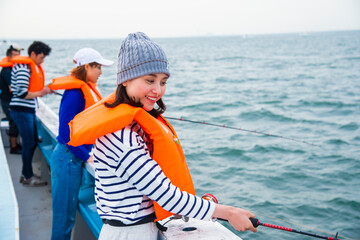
point(20, 76)
point(127, 179)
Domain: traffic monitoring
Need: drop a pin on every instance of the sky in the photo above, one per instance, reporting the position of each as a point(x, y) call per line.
point(76, 19)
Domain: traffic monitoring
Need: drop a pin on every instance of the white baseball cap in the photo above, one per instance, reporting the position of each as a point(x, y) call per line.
point(16, 47)
point(89, 55)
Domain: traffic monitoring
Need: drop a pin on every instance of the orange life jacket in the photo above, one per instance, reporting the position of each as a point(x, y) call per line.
point(37, 77)
point(5, 62)
point(90, 89)
point(98, 120)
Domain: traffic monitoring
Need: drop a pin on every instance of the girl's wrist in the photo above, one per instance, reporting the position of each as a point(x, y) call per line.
point(223, 212)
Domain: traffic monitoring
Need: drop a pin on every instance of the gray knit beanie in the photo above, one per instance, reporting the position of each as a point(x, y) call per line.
point(139, 56)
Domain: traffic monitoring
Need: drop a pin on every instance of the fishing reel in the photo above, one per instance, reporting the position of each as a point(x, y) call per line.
point(211, 198)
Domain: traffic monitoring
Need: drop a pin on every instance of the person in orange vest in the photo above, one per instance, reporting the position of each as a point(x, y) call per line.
point(81, 92)
point(6, 95)
point(27, 84)
point(141, 175)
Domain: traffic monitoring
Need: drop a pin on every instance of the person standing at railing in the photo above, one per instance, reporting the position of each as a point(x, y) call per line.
point(27, 84)
point(81, 91)
point(141, 175)
point(6, 95)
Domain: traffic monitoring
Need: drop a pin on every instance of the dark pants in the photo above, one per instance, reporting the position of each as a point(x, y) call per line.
point(26, 123)
point(13, 130)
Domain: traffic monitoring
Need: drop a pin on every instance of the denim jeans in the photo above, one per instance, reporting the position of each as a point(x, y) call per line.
point(26, 123)
point(66, 171)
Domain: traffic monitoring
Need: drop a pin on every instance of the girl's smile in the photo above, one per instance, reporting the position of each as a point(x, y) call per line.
point(147, 89)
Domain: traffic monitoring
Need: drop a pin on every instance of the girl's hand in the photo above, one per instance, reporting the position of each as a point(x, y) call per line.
point(237, 217)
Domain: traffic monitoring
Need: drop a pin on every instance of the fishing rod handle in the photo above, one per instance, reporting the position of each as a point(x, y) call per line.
point(255, 222)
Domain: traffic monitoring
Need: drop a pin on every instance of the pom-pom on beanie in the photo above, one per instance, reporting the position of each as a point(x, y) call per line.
point(139, 56)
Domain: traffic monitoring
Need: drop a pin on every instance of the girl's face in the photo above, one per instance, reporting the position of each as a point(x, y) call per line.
point(93, 72)
point(147, 89)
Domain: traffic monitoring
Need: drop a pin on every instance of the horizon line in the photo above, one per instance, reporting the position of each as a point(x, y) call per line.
point(2, 39)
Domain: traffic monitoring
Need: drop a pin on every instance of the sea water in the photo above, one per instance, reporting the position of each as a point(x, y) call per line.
point(304, 87)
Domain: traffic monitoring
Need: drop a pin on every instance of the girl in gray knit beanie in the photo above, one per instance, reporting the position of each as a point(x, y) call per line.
point(141, 57)
point(132, 189)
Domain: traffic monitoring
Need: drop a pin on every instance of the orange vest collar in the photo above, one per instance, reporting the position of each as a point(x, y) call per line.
point(94, 87)
point(90, 91)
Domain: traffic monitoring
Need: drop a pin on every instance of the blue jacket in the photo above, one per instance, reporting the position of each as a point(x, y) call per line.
point(72, 103)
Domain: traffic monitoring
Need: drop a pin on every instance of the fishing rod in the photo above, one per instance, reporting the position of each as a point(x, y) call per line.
point(241, 129)
point(235, 128)
point(56, 93)
point(255, 222)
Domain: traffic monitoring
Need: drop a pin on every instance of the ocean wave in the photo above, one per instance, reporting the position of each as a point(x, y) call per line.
point(337, 104)
point(263, 114)
point(349, 203)
point(337, 142)
point(357, 138)
point(357, 58)
point(232, 58)
point(350, 126)
point(274, 149)
point(228, 152)
point(224, 80)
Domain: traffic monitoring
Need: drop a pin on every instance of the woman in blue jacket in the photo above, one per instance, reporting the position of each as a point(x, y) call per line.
point(67, 161)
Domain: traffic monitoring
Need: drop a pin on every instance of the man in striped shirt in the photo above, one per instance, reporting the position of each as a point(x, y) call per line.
point(23, 106)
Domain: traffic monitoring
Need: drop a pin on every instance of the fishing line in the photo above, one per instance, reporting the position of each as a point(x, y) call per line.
point(241, 129)
point(230, 127)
